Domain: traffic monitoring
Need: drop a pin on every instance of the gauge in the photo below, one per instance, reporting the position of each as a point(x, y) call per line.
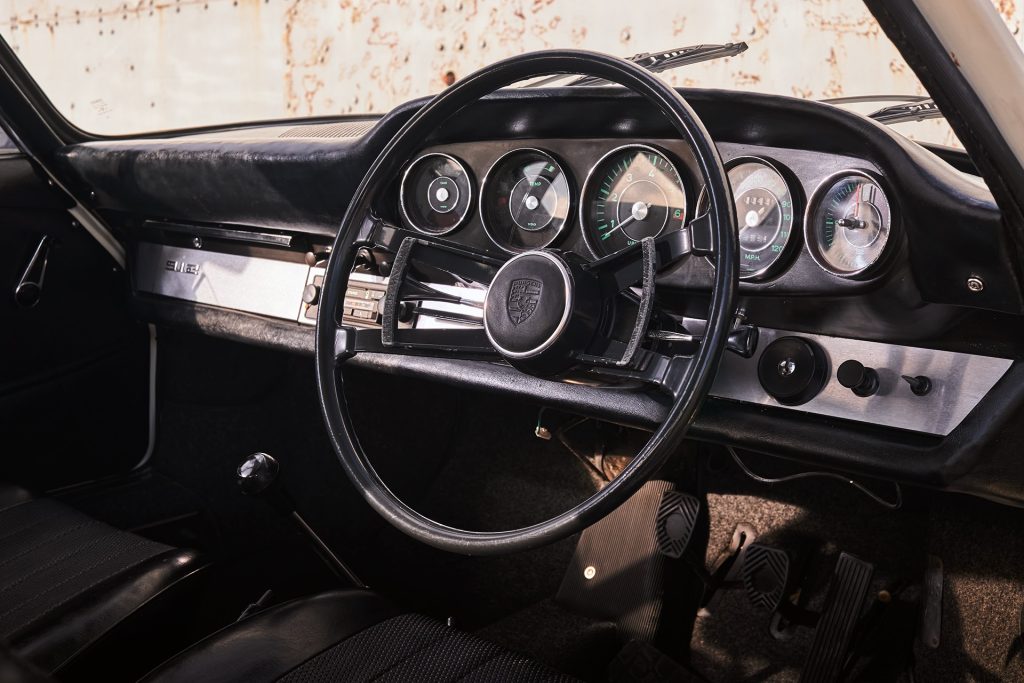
point(525, 200)
point(848, 223)
point(764, 214)
point(436, 194)
point(633, 192)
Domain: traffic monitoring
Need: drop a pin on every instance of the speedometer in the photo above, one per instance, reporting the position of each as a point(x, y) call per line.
point(633, 192)
point(848, 223)
point(764, 214)
point(764, 204)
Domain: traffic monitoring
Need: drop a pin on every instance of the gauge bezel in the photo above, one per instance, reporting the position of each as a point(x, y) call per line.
point(405, 178)
point(567, 223)
point(672, 161)
point(796, 233)
point(818, 195)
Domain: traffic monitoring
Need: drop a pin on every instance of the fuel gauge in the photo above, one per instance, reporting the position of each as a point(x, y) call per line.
point(436, 194)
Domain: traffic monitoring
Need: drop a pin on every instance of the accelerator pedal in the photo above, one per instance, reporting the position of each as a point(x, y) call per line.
point(677, 517)
point(765, 573)
point(843, 606)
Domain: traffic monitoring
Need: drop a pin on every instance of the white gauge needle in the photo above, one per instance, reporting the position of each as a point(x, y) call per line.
point(638, 212)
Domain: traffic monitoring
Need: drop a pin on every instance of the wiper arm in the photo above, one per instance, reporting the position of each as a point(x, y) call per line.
point(656, 62)
point(920, 110)
point(910, 107)
point(859, 99)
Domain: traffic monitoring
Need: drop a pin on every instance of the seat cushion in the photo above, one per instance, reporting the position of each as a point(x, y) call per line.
point(346, 636)
point(67, 579)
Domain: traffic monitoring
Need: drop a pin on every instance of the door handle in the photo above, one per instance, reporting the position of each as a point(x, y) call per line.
point(29, 287)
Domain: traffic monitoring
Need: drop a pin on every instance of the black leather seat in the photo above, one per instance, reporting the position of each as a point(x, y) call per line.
point(67, 580)
point(346, 636)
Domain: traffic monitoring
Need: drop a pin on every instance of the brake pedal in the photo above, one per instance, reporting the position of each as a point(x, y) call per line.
point(766, 574)
point(674, 524)
point(843, 606)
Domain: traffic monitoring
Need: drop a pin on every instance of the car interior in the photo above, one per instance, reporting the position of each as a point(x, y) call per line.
point(558, 383)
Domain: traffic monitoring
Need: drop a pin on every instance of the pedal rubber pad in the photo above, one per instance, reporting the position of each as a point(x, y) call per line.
point(765, 575)
point(843, 606)
point(677, 517)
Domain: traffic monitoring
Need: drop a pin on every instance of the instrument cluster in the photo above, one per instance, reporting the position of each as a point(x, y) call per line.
point(532, 198)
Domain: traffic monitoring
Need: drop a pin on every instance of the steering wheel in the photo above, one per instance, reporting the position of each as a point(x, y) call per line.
point(562, 303)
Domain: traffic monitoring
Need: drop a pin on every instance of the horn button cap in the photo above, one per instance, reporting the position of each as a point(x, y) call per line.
point(534, 313)
point(528, 304)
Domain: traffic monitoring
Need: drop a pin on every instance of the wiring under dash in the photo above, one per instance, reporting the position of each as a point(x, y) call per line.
point(895, 504)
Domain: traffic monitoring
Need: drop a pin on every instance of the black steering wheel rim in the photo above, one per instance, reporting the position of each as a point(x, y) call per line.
point(693, 386)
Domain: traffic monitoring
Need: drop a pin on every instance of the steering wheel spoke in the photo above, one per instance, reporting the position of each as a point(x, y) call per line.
point(660, 371)
point(444, 284)
point(624, 269)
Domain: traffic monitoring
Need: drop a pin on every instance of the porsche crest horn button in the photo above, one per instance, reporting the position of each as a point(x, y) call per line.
point(523, 299)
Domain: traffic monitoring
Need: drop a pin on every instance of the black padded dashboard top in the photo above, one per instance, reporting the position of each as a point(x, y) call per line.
point(264, 178)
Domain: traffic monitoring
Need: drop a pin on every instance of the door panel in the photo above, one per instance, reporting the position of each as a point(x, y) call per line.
point(74, 375)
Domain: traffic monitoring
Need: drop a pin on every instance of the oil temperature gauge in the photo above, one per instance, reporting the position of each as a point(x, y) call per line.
point(848, 224)
point(526, 200)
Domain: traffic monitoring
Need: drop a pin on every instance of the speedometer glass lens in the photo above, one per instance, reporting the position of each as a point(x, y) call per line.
point(436, 194)
point(632, 193)
point(849, 224)
point(526, 200)
point(764, 215)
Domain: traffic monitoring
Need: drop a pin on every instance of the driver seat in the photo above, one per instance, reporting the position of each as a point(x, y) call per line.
point(350, 636)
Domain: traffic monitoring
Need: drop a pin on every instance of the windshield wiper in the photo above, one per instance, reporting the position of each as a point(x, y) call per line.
point(656, 62)
point(910, 107)
point(920, 110)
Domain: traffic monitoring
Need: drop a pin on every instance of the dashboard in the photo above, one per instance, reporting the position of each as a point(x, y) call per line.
point(878, 297)
point(809, 221)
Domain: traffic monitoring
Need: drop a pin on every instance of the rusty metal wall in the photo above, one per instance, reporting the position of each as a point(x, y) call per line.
point(115, 67)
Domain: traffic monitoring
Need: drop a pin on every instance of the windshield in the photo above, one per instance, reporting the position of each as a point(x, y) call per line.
point(118, 68)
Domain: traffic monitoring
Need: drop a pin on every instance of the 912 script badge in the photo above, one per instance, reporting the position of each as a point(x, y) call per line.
point(523, 299)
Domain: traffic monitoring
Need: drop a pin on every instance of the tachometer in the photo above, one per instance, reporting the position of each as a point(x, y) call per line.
point(525, 200)
point(633, 192)
point(436, 194)
point(848, 223)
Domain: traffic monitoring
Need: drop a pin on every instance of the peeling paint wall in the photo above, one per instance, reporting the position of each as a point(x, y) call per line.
point(116, 67)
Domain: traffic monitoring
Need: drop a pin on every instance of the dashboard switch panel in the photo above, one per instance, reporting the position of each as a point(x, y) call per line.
point(957, 382)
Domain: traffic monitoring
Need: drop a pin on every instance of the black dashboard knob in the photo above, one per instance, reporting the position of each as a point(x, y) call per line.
point(792, 370)
point(919, 385)
point(860, 380)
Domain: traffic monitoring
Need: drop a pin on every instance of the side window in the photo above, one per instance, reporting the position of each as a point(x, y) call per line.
point(7, 145)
